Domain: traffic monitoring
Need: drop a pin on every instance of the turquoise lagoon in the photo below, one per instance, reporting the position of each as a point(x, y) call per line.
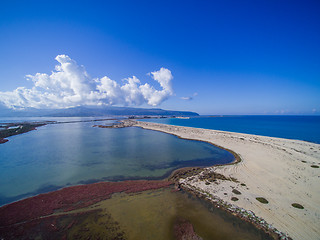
point(60, 155)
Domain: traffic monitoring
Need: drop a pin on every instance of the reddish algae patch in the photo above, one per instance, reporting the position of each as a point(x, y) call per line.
point(70, 198)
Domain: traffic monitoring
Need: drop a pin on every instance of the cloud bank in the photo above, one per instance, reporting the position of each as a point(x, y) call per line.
point(70, 86)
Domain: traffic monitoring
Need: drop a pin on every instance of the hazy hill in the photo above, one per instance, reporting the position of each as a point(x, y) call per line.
point(89, 111)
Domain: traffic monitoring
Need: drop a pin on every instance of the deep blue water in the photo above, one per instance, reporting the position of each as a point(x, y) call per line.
point(59, 155)
point(305, 128)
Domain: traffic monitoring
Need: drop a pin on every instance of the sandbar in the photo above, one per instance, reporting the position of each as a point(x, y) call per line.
point(277, 179)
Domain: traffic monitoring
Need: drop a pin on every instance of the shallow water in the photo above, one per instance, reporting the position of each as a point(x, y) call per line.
point(59, 155)
point(152, 214)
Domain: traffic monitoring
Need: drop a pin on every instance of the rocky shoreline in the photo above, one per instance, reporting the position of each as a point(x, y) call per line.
point(243, 214)
point(181, 178)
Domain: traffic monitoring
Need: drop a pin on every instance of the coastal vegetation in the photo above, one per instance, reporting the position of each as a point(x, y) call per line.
point(235, 191)
point(212, 176)
point(262, 200)
point(297, 205)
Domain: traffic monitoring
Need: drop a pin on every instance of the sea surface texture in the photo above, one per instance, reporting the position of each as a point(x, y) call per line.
point(306, 128)
point(60, 155)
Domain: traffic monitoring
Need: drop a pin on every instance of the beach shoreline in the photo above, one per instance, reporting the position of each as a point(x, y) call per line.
point(236, 186)
point(275, 181)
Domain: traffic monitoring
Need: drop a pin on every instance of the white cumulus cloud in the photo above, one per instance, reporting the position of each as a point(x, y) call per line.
point(70, 85)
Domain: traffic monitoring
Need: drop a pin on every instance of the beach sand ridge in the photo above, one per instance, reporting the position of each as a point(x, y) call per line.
point(283, 172)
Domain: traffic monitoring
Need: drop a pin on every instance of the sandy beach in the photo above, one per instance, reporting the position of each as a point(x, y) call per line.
point(281, 171)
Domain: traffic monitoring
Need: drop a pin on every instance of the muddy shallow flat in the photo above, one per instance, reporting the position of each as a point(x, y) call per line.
point(135, 210)
point(152, 215)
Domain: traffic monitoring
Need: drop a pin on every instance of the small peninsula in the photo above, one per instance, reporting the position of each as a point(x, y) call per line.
point(11, 129)
point(274, 180)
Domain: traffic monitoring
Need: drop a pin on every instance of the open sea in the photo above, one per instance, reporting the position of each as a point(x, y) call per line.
point(306, 128)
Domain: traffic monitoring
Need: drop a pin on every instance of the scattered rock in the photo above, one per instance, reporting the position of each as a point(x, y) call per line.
point(184, 173)
point(314, 166)
point(234, 199)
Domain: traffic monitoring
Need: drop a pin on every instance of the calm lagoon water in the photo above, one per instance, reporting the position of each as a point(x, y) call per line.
point(59, 155)
point(305, 128)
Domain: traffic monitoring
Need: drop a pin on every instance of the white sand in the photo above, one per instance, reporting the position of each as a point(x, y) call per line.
point(271, 168)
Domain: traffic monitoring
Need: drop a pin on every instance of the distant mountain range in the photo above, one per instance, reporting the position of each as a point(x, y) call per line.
point(90, 111)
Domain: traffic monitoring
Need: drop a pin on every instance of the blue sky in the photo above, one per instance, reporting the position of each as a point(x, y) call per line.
point(226, 57)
